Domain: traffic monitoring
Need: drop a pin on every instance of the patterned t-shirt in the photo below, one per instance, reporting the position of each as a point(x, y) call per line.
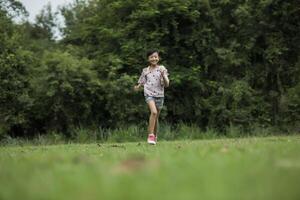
point(153, 81)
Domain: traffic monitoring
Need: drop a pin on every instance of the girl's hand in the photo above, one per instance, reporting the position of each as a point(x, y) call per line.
point(162, 70)
point(136, 88)
point(164, 74)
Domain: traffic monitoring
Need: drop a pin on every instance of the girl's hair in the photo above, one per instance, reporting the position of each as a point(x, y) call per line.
point(150, 52)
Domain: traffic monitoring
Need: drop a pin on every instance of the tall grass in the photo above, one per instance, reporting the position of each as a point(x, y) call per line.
point(134, 133)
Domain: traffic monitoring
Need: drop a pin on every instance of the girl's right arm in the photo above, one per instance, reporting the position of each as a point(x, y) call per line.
point(137, 87)
point(141, 81)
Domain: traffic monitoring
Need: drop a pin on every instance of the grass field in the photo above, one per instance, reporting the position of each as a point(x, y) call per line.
point(250, 168)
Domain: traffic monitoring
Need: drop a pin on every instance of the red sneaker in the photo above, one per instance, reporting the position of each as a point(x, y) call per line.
point(151, 139)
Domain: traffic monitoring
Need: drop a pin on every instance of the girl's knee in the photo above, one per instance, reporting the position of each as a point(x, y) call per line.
point(153, 112)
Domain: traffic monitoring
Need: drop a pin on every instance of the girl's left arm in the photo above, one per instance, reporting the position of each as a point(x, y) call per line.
point(165, 77)
point(166, 80)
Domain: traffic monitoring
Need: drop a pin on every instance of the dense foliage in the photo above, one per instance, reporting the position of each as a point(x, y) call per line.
point(231, 63)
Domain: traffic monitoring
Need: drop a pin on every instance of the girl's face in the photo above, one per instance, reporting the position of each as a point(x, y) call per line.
point(153, 59)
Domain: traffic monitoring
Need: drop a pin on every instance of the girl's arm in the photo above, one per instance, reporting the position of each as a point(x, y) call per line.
point(166, 80)
point(164, 74)
point(141, 81)
point(137, 87)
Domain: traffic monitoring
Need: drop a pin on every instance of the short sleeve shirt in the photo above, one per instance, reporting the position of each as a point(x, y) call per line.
point(152, 81)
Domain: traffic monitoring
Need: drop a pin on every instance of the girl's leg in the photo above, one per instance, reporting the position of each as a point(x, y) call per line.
point(156, 123)
point(153, 116)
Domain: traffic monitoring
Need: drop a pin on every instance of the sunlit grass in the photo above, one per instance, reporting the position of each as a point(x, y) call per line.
point(252, 168)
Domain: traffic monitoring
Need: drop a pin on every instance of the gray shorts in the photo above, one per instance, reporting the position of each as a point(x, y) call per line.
point(159, 101)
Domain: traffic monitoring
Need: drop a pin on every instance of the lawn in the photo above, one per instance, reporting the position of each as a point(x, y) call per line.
point(244, 168)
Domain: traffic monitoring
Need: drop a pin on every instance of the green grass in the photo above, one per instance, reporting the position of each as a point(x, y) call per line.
point(250, 168)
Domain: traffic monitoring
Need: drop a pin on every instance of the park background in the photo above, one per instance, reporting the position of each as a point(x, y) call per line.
point(234, 69)
point(71, 126)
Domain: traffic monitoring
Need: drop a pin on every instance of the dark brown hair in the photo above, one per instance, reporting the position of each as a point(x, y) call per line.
point(150, 52)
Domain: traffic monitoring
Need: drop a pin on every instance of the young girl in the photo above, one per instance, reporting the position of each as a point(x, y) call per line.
point(154, 78)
